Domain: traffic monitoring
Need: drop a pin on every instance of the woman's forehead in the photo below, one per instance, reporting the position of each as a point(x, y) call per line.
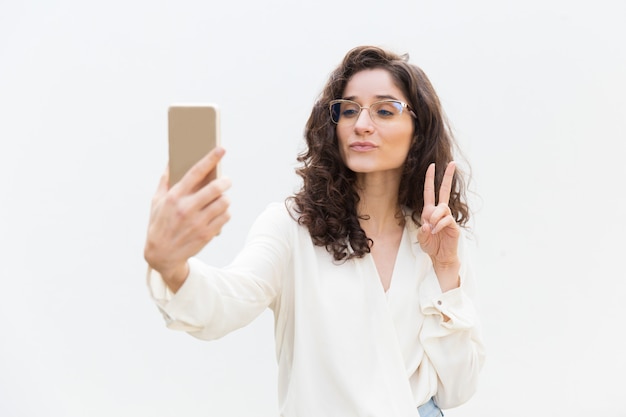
point(377, 83)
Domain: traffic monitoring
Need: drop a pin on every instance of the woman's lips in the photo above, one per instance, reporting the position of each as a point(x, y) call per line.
point(362, 146)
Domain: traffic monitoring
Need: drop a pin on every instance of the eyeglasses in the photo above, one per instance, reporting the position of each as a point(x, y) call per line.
point(346, 112)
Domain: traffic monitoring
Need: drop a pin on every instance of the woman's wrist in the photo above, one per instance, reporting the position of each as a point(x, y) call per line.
point(448, 274)
point(175, 277)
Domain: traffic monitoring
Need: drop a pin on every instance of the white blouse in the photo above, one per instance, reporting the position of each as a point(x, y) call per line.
point(344, 346)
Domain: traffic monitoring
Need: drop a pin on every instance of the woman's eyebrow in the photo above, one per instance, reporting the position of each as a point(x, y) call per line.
point(379, 97)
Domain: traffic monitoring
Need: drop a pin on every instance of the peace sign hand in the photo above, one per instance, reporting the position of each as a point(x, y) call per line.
point(439, 234)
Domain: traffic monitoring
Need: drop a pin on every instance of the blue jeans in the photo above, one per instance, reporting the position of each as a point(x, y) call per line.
point(430, 409)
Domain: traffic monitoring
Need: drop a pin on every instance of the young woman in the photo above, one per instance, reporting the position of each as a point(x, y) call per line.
point(363, 268)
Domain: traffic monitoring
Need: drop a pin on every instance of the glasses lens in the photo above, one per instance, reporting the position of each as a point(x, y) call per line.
point(344, 110)
point(386, 110)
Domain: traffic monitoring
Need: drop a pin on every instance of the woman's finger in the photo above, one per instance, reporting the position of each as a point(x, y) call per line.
point(447, 221)
point(429, 186)
point(424, 233)
point(446, 184)
point(441, 211)
point(198, 173)
point(214, 227)
point(211, 192)
point(213, 210)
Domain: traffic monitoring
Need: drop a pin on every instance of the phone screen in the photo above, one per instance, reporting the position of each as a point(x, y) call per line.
point(193, 131)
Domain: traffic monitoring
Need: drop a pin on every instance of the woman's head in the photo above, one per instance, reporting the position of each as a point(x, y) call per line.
point(330, 184)
point(374, 126)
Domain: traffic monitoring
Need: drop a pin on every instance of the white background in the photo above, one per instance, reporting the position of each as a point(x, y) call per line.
point(535, 90)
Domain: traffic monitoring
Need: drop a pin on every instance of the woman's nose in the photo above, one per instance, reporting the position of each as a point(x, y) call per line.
point(364, 123)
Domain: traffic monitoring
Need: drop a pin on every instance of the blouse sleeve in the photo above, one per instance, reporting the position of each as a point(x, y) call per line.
point(454, 347)
point(215, 301)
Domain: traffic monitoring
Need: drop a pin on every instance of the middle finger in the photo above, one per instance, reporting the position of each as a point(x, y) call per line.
point(210, 192)
point(446, 184)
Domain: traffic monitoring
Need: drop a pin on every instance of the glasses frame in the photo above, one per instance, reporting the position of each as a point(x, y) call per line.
point(369, 109)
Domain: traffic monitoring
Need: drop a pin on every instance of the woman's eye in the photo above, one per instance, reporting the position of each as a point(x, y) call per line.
point(349, 113)
point(388, 109)
point(384, 113)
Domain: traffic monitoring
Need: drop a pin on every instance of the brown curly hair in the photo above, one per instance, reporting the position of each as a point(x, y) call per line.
point(327, 202)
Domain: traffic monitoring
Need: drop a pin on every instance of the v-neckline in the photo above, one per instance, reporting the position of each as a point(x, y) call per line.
point(395, 265)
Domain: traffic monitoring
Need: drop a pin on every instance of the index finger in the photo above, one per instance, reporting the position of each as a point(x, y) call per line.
point(446, 184)
point(196, 175)
point(429, 186)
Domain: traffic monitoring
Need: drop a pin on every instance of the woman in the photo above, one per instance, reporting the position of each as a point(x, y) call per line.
point(363, 268)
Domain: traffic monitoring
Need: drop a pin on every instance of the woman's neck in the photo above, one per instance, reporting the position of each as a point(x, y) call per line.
point(379, 203)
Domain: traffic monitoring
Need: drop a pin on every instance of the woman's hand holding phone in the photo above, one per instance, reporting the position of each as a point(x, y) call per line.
point(184, 218)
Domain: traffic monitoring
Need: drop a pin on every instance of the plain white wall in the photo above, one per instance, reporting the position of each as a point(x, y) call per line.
point(535, 90)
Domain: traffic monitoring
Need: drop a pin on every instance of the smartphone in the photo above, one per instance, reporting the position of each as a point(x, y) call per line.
point(193, 131)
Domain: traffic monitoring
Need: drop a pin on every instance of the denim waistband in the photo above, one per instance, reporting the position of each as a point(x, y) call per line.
point(430, 409)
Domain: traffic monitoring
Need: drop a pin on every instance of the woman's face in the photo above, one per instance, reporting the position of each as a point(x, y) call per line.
point(369, 146)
